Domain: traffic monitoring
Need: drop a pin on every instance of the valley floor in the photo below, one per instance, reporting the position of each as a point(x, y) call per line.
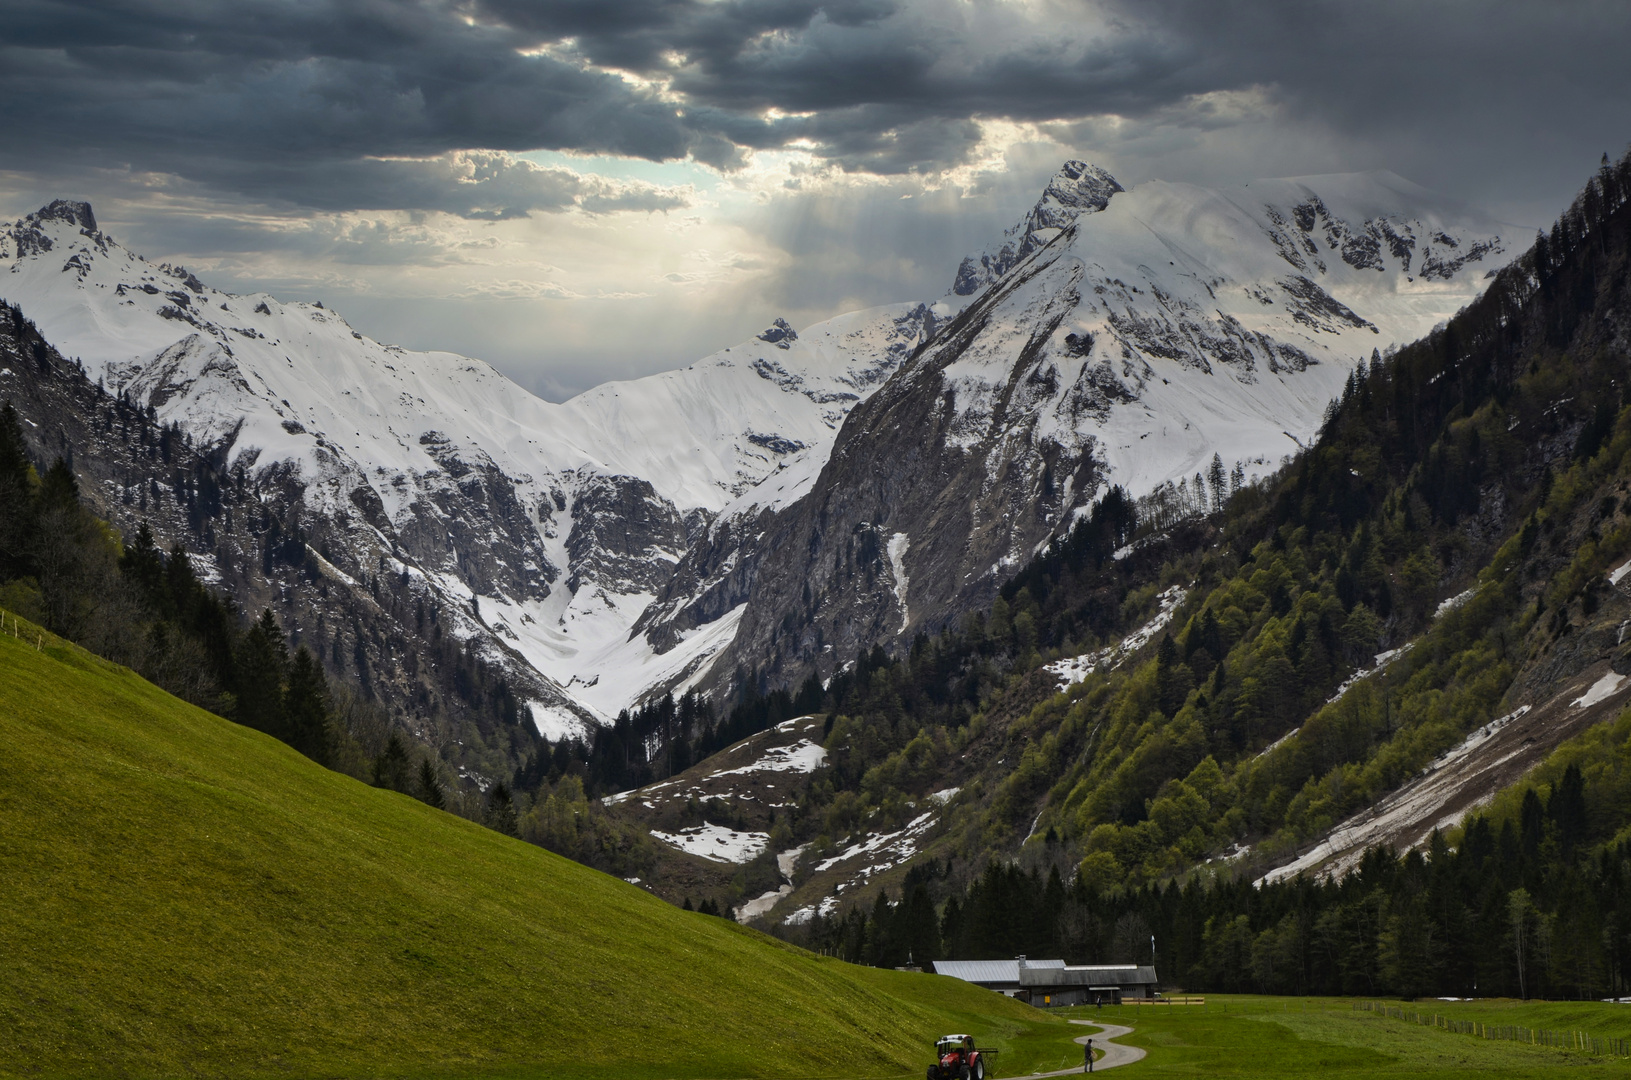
point(1293, 1037)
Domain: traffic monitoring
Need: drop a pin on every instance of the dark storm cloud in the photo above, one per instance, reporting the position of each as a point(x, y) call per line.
point(257, 95)
point(284, 101)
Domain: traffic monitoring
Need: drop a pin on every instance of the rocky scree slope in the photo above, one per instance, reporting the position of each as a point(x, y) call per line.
point(539, 531)
point(1135, 342)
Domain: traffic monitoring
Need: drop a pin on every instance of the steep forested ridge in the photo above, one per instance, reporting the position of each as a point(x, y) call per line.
point(1487, 465)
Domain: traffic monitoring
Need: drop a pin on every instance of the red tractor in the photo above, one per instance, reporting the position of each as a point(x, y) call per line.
point(958, 1059)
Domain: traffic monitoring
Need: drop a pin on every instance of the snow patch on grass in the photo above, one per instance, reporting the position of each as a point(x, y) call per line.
point(787, 860)
point(896, 847)
point(1076, 668)
point(1379, 664)
point(1453, 602)
point(717, 843)
point(761, 904)
point(803, 756)
point(826, 909)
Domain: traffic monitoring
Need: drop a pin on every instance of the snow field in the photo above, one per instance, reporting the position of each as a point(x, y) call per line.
point(717, 843)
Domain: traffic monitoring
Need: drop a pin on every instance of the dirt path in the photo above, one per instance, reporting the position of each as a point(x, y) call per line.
point(1114, 1053)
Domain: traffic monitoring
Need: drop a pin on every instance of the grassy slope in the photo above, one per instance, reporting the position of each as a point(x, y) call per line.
point(185, 896)
point(1293, 1037)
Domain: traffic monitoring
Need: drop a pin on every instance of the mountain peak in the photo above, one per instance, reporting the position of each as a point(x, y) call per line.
point(70, 211)
point(780, 335)
point(1076, 189)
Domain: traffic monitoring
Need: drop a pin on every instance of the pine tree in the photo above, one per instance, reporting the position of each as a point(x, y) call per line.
point(306, 707)
point(1218, 478)
point(430, 786)
point(500, 816)
point(262, 669)
point(143, 564)
point(391, 769)
point(917, 928)
point(17, 483)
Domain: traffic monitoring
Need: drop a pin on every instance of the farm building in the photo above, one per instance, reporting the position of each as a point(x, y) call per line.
point(1053, 982)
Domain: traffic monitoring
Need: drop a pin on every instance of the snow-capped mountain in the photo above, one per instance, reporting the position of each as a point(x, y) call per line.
point(546, 528)
point(1129, 344)
point(787, 501)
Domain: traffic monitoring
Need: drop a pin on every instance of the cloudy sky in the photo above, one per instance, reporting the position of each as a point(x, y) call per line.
point(582, 190)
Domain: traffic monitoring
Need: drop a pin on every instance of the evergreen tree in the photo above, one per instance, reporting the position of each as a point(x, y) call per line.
point(917, 929)
point(306, 707)
point(1567, 809)
point(262, 670)
point(1218, 477)
point(500, 816)
point(143, 565)
point(391, 768)
point(17, 483)
point(430, 786)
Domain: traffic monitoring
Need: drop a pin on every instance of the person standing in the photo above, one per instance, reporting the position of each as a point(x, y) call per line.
point(1088, 1054)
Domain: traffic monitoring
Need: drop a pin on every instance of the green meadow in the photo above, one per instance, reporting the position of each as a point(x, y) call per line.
point(1303, 1037)
point(181, 896)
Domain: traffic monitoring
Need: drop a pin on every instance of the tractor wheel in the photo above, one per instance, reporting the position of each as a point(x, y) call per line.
point(964, 1073)
point(934, 1072)
point(979, 1069)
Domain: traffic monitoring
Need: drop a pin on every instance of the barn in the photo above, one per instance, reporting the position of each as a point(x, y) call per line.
point(1053, 983)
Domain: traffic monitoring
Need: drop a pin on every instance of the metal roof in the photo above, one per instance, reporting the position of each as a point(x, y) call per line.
point(1112, 975)
point(991, 971)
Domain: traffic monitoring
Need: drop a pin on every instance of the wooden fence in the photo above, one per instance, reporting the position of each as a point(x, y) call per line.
point(1562, 1040)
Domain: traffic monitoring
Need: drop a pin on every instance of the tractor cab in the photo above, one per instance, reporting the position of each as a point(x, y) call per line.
point(956, 1058)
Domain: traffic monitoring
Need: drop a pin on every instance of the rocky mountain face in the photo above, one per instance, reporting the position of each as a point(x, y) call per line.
point(1077, 189)
point(1135, 336)
point(539, 531)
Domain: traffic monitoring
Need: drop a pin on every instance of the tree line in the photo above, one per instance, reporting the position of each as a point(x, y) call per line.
point(1531, 899)
point(144, 607)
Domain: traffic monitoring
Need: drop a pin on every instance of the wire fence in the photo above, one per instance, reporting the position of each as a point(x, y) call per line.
point(1562, 1040)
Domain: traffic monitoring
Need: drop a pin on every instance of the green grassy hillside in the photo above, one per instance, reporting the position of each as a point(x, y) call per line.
point(182, 895)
